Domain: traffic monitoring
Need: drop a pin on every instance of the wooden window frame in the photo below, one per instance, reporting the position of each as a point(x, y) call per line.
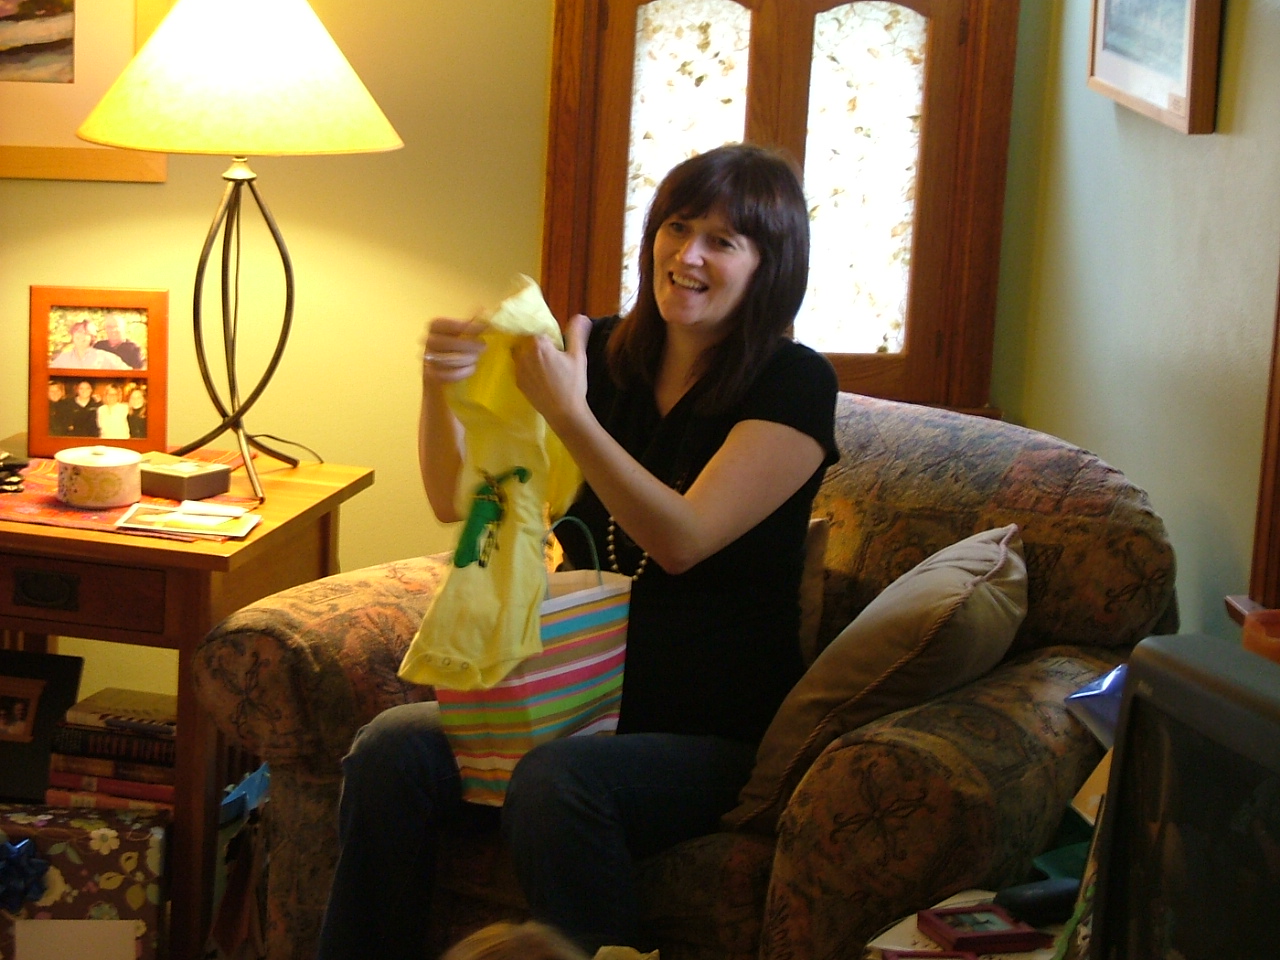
point(1264, 571)
point(950, 332)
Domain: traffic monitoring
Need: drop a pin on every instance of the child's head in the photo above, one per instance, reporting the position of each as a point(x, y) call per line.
point(514, 941)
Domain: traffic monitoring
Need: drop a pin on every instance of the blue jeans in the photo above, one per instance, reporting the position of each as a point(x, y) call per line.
point(578, 813)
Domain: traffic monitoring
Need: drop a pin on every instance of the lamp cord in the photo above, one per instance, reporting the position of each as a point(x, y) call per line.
point(291, 443)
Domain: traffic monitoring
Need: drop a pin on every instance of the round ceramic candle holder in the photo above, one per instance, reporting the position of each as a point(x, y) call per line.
point(98, 477)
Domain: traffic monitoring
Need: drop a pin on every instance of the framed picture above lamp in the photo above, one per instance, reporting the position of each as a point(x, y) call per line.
point(98, 369)
point(1160, 58)
point(42, 105)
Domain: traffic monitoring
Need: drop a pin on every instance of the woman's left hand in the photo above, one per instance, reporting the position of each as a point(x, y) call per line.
point(555, 380)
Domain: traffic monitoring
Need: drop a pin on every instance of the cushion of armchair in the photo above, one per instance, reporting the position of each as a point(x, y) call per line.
point(703, 899)
point(961, 792)
point(292, 677)
point(912, 479)
point(301, 837)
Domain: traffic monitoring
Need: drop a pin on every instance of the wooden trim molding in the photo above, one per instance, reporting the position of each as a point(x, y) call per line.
point(575, 51)
point(82, 163)
point(1264, 572)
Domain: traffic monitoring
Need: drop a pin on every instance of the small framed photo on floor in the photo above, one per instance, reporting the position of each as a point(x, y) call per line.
point(99, 366)
point(36, 690)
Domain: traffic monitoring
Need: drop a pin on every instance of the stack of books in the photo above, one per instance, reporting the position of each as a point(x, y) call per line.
point(115, 750)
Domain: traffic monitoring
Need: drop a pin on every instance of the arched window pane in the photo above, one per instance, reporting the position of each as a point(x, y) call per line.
point(866, 94)
point(689, 95)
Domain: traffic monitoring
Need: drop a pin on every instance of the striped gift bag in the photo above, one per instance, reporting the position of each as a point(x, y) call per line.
point(573, 687)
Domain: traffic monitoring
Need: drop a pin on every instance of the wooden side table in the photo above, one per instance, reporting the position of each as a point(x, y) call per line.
point(165, 593)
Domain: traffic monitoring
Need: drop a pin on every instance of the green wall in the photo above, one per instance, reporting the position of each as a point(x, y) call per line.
point(1136, 308)
point(1139, 278)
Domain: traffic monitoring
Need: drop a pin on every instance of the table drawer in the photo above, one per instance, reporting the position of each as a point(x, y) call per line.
point(69, 592)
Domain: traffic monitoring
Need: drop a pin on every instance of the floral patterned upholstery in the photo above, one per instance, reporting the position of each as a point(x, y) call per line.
point(959, 792)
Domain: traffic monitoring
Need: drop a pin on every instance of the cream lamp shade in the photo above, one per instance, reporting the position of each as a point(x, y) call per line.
point(240, 78)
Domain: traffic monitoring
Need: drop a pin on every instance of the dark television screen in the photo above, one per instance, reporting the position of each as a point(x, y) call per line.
point(1189, 845)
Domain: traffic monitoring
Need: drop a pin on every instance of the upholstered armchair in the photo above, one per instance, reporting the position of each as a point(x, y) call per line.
point(961, 790)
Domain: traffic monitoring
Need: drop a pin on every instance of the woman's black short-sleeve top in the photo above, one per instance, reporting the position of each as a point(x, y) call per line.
point(713, 650)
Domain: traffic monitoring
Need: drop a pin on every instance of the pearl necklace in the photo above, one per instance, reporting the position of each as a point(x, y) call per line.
point(611, 547)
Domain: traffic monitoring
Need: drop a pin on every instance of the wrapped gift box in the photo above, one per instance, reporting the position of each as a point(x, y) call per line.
point(103, 865)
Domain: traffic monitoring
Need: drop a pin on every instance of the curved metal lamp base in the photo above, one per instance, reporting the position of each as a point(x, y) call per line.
point(233, 409)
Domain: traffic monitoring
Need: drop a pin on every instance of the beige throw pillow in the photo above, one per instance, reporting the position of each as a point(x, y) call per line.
point(945, 622)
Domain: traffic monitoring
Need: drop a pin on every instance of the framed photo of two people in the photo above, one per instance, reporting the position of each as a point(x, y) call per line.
point(98, 368)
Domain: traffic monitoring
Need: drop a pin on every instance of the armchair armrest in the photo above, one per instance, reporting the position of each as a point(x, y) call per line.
point(961, 792)
point(292, 677)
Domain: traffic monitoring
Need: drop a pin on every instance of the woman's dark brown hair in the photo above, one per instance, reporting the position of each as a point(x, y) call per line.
point(758, 190)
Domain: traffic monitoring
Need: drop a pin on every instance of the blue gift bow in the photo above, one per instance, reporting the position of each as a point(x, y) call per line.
point(21, 874)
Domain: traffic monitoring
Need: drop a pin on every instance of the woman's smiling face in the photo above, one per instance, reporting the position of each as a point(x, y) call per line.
point(702, 268)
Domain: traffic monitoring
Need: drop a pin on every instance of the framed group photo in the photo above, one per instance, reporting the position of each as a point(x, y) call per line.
point(98, 369)
point(1160, 58)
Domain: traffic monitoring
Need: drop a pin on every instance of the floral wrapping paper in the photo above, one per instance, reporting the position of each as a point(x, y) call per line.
point(103, 865)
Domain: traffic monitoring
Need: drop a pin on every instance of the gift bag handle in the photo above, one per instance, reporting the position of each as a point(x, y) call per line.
point(591, 545)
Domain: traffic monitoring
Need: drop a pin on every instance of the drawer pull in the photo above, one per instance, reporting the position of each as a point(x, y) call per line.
point(49, 591)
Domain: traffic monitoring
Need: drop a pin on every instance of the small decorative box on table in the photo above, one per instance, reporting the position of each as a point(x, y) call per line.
point(102, 865)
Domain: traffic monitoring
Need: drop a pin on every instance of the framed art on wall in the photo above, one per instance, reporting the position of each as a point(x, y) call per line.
point(1160, 58)
point(98, 368)
point(43, 101)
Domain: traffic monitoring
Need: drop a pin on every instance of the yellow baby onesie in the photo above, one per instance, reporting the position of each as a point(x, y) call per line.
point(515, 472)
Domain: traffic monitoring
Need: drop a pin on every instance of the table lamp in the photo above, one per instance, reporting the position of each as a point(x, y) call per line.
point(239, 78)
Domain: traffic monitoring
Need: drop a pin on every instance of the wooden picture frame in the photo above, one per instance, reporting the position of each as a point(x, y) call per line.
point(52, 162)
point(979, 928)
point(42, 686)
point(1160, 58)
point(92, 347)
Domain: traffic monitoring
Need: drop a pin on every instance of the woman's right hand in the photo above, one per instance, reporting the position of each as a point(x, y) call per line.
point(451, 349)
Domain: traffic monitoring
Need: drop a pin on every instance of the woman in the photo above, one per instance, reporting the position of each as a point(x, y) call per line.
point(81, 355)
point(702, 434)
point(82, 418)
point(113, 415)
point(59, 410)
point(137, 402)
